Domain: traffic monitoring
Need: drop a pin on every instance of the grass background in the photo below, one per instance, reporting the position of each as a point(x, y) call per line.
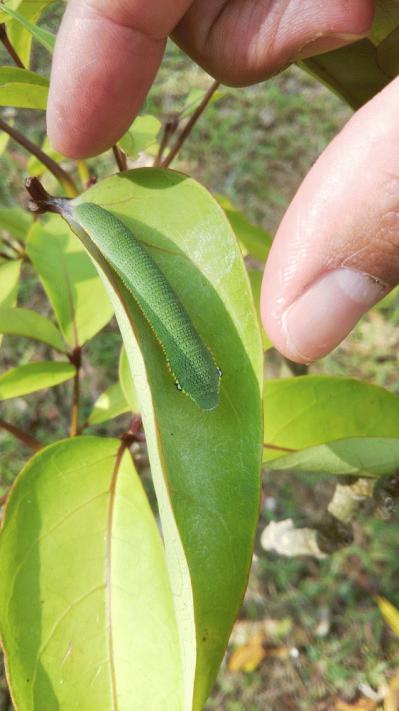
point(324, 637)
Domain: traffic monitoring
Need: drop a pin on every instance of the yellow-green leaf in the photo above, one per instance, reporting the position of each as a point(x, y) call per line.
point(19, 36)
point(30, 378)
point(314, 409)
point(9, 278)
point(254, 240)
point(86, 611)
point(24, 322)
point(15, 222)
point(110, 404)
point(390, 613)
point(44, 37)
point(9, 282)
point(36, 167)
point(141, 136)
point(126, 382)
point(22, 89)
point(70, 280)
point(357, 456)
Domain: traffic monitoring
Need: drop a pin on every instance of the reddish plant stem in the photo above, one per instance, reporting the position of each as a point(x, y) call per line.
point(59, 173)
point(75, 406)
point(22, 436)
point(120, 158)
point(10, 49)
point(76, 360)
point(169, 130)
point(190, 125)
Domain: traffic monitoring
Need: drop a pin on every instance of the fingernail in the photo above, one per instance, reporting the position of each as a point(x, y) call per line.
point(326, 43)
point(328, 310)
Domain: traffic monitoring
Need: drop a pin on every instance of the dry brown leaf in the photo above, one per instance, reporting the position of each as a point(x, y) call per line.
point(391, 702)
point(245, 630)
point(362, 704)
point(248, 656)
point(279, 652)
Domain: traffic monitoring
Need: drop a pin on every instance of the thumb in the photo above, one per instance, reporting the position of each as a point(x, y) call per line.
point(336, 252)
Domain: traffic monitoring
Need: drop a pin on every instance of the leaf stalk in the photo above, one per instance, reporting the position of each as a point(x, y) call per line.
point(181, 139)
point(24, 437)
point(10, 49)
point(59, 173)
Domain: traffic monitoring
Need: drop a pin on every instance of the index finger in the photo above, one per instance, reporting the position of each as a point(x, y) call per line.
point(104, 63)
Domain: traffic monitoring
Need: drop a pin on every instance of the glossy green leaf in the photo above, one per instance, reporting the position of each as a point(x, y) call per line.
point(15, 221)
point(30, 378)
point(22, 89)
point(36, 167)
point(44, 37)
point(205, 464)
point(314, 409)
point(141, 136)
point(23, 322)
point(74, 290)
point(110, 404)
point(86, 612)
point(362, 456)
point(255, 241)
point(255, 278)
point(126, 382)
point(9, 279)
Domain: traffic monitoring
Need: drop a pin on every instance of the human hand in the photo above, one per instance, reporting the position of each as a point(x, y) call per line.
point(335, 252)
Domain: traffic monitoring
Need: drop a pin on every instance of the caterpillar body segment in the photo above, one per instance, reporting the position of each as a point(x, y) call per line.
point(187, 356)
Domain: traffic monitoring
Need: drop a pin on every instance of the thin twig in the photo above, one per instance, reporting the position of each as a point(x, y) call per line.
point(76, 360)
point(22, 436)
point(120, 158)
point(59, 173)
point(169, 130)
point(10, 49)
point(190, 125)
point(3, 255)
point(75, 406)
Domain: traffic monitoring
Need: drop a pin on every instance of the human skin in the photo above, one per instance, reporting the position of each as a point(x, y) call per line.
point(336, 251)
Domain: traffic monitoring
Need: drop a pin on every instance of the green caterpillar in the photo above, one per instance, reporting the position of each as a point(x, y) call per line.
point(188, 358)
